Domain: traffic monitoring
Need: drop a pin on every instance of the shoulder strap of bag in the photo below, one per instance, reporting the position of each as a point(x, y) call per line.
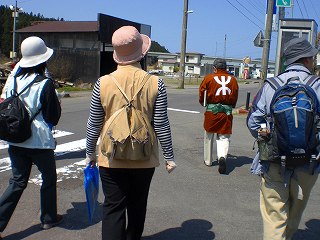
point(144, 80)
point(275, 82)
point(310, 80)
point(36, 79)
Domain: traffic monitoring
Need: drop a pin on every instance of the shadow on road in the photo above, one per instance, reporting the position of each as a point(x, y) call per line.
point(25, 233)
point(234, 162)
point(191, 229)
point(77, 217)
point(312, 231)
point(72, 155)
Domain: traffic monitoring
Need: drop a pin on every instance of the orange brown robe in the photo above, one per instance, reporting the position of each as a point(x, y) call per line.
point(221, 88)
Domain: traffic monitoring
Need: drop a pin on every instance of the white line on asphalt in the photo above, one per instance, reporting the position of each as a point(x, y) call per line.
point(68, 147)
point(74, 170)
point(56, 134)
point(181, 110)
point(60, 150)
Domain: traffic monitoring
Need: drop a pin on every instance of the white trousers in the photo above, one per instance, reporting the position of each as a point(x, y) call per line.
point(222, 141)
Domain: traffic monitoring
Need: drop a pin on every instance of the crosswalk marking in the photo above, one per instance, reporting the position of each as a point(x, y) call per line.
point(56, 134)
point(61, 149)
point(68, 147)
point(66, 172)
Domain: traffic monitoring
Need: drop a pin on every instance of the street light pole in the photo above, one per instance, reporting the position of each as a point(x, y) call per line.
point(267, 40)
point(14, 33)
point(15, 13)
point(183, 44)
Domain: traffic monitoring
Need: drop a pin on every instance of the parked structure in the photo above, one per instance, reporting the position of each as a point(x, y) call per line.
point(83, 49)
point(198, 64)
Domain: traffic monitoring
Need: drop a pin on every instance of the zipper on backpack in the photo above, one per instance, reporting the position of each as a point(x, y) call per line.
point(295, 113)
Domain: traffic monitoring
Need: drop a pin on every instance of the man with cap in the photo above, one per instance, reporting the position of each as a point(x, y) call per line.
point(126, 182)
point(42, 102)
point(284, 196)
point(219, 93)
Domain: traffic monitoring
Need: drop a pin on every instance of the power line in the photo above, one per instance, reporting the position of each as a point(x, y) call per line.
point(300, 9)
point(315, 10)
point(254, 5)
point(249, 11)
point(305, 9)
point(244, 14)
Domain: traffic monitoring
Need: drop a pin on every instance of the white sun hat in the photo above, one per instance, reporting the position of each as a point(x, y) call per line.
point(34, 52)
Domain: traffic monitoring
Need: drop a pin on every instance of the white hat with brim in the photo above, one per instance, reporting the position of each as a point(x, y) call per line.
point(129, 45)
point(34, 52)
point(298, 48)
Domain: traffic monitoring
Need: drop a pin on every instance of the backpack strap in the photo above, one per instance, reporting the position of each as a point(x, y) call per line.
point(144, 80)
point(38, 78)
point(310, 80)
point(275, 82)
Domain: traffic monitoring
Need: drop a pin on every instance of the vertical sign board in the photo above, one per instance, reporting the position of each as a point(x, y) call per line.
point(274, 15)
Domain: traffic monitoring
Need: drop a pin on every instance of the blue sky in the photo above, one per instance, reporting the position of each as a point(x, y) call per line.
point(239, 20)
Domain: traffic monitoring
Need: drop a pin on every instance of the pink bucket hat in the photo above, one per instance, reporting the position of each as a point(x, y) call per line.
point(129, 45)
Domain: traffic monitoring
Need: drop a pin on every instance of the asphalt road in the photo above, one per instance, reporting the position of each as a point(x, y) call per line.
point(193, 202)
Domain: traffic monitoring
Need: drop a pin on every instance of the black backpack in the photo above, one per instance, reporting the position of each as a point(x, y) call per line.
point(15, 120)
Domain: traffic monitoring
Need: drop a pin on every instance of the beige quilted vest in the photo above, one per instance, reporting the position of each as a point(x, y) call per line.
point(129, 78)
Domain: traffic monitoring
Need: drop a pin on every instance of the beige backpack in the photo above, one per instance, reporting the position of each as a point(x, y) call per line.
point(129, 134)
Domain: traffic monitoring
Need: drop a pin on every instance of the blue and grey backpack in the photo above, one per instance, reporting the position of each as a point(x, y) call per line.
point(295, 112)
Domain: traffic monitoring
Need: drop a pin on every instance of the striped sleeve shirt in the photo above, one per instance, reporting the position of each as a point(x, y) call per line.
point(160, 121)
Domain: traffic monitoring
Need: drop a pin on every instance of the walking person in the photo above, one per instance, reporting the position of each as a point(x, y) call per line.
point(220, 92)
point(126, 182)
point(286, 179)
point(42, 102)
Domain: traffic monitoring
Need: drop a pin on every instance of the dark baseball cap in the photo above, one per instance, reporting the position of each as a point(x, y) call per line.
point(220, 63)
point(296, 49)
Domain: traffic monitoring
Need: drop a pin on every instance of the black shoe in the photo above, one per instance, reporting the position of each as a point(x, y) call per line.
point(222, 165)
point(46, 226)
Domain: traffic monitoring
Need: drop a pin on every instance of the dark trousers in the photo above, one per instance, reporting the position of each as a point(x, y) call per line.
point(21, 163)
point(125, 191)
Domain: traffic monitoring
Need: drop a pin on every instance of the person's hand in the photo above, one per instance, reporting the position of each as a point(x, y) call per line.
point(92, 159)
point(170, 166)
point(264, 132)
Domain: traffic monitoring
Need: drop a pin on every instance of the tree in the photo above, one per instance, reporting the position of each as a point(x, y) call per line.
point(6, 26)
point(156, 47)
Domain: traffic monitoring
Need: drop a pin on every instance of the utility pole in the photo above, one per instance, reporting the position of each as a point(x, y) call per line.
point(281, 13)
point(267, 40)
point(14, 32)
point(183, 44)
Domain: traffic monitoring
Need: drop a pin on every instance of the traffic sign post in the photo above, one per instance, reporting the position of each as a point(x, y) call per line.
point(284, 3)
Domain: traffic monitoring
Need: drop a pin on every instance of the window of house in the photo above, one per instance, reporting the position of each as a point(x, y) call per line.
point(191, 68)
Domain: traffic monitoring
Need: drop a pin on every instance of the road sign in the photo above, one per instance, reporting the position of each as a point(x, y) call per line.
point(258, 41)
point(284, 3)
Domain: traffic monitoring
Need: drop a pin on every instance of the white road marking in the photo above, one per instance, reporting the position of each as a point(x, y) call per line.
point(68, 147)
point(181, 110)
point(66, 172)
point(56, 134)
point(5, 164)
point(61, 149)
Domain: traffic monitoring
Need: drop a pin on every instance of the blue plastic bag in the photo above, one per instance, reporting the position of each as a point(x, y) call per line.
point(91, 187)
